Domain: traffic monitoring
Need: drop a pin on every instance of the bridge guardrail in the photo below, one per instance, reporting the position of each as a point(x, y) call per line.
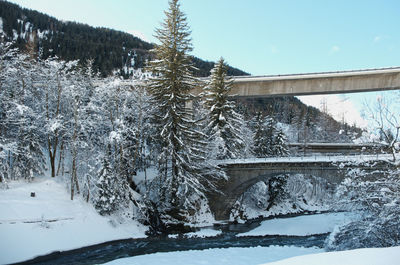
point(315, 158)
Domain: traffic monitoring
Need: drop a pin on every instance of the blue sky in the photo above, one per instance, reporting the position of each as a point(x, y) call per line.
point(261, 37)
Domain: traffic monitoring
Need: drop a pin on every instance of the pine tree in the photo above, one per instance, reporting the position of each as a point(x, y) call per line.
point(279, 146)
point(108, 198)
point(135, 129)
point(269, 140)
point(262, 136)
point(29, 158)
point(19, 116)
point(129, 142)
point(181, 157)
point(224, 128)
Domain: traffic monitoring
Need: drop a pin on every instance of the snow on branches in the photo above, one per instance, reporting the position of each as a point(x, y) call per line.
point(225, 124)
point(183, 169)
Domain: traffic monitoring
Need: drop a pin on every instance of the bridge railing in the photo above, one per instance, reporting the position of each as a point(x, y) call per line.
point(310, 159)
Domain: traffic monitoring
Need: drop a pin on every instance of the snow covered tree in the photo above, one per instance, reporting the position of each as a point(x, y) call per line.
point(92, 127)
point(121, 130)
point(129, 141)
point(183, 170)
point(383, 115)
point(20, 116)
point(263, 135)
point(54, 77)
point(376, 195)
point(29, 158)
point(107, 199)
point(75, 140)
point(9, 114)
point(247, 136)
point(135, 129)
point(305, 124)
point(279, 145)
point(269, 140)
point(142, 109)
point(224, 128)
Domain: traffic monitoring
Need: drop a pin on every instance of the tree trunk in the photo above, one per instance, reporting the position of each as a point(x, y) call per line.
point(74, 178)
point(52, 163)
point(52, 145)
point(61, 160)
point(88, 189)
point(72, 186)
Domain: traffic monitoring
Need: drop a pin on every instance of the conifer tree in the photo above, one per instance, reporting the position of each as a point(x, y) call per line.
point(279, 146)
point(129, 142)
point(181, 147)
point(29, 158)
point(108, 198)
point(19, 122)
point(268, 139)
point(224, 128)
point(262, 136)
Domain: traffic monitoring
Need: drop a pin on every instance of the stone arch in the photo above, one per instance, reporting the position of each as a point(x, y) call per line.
point(221, 205)
point(239, 190)
point(243, 175)
point(241, 180)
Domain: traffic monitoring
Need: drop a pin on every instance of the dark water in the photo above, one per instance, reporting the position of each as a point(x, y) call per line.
point(108, 251)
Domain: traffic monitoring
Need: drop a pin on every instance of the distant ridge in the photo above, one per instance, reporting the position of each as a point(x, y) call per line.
point(110, 50)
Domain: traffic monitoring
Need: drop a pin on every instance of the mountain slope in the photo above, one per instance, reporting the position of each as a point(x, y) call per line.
point(109, 49)
point(304, 123)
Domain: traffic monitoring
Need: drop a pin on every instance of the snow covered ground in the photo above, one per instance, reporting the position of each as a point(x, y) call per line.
point(301, 225)
point(202, 233)
point(220, 256)
point(32, 226)
point(366, 256)
point(273, 255)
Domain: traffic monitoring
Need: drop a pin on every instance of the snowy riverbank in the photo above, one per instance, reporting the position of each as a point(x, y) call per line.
point(32, 226)
point(302, 225)
point(220, 256)
point(366, 256)
point(48, 222)
point(273, 255)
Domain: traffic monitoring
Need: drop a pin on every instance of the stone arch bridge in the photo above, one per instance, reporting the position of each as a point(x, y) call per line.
point(242, 174)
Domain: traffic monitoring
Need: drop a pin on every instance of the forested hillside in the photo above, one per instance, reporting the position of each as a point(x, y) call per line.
point(305, 123)
point(110, 50)
point(114, 51)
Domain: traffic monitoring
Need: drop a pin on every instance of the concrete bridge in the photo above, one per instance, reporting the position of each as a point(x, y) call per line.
point(337, 148)
point(245, 173)
point(315, 83)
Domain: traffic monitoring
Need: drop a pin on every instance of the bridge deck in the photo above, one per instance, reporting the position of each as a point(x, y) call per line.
point(315, 83)
point(307, 159)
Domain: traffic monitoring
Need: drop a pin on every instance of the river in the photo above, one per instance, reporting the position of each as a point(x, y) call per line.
point(108, 251)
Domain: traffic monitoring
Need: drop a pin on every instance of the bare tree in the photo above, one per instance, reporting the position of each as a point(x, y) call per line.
point(383, 115)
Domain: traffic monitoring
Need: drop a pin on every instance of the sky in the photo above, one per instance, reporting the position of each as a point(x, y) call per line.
point(261, 37)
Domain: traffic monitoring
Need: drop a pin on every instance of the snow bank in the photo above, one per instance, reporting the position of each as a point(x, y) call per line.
point(366, 256)
point(205, 232)
point(301, 225)
point(32, 226)
point(202, 233)
point(236, 256)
